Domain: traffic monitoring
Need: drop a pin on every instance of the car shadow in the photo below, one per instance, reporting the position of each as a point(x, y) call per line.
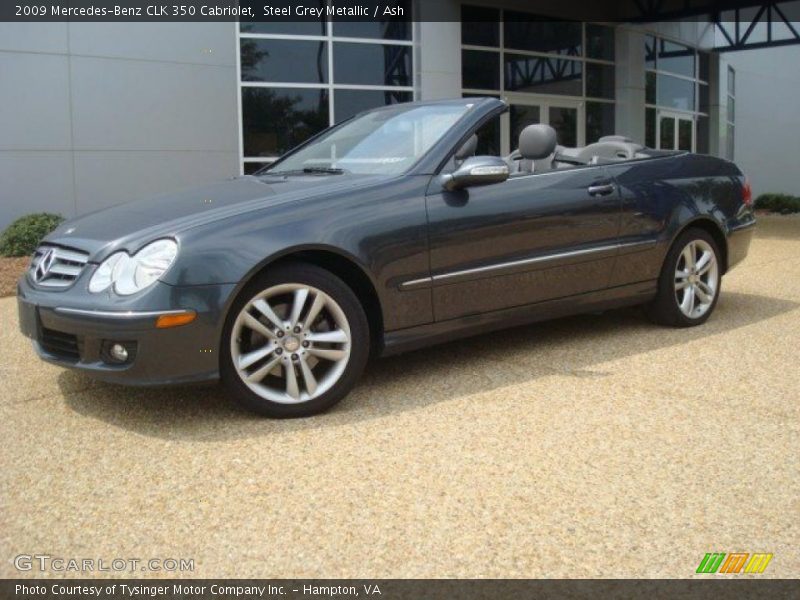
point(570, 346)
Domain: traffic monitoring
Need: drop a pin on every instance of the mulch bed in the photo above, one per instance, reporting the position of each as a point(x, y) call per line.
point(11, 269)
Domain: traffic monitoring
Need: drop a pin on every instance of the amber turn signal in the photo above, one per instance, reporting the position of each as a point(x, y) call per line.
point(175, 320)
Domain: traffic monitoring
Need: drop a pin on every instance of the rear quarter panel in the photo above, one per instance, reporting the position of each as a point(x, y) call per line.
point(660, 197)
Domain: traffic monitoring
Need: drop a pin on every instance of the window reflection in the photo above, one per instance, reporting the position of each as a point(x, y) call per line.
point(351, 102)
point(285, 61)
point(372, 64)
point(542, 75)
point(523, 32)
point(480, 70)
point(275, 120)
point(599, 120)
point(675, 93)
point(480, 26)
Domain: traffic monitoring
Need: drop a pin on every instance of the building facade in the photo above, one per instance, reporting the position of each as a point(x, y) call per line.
point(95, 114)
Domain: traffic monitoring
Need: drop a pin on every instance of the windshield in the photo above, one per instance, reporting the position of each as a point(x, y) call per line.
point(384, 142)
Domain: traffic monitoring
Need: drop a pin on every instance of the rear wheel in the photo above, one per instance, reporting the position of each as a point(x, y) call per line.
point(295, 342)
point(690, 281)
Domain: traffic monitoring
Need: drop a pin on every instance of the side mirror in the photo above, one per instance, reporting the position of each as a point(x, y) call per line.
point(478, 170)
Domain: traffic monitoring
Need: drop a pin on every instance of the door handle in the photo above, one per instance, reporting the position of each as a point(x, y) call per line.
point(601, 189)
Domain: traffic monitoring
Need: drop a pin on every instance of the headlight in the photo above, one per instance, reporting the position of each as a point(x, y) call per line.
point(131, 274)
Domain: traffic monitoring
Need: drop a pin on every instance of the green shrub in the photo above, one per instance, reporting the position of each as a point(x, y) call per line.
point(778, 203)
point(23, 235)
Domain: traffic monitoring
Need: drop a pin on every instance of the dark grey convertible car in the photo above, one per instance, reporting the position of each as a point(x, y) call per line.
point(380, 235)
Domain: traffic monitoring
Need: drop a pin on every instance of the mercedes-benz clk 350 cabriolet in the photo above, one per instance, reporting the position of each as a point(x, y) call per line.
point(380, 235)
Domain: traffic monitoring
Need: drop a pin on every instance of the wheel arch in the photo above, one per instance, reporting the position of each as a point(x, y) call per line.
point(714, 229)
point(344, 266)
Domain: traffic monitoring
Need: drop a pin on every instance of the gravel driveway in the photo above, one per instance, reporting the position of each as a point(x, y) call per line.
point(594, 446)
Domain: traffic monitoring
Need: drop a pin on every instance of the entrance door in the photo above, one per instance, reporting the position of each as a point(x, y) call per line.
point(562, 114)
point(675, 131)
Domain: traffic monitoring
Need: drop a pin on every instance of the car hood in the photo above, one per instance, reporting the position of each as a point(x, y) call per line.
point(131, 225)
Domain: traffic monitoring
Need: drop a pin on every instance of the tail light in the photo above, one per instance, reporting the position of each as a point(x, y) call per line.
point(747, 193)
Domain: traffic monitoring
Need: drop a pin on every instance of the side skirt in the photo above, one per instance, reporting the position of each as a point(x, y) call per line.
point(404, 340)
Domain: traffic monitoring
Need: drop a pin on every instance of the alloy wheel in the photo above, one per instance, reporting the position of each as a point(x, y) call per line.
point(696, 278)
point(290, 343)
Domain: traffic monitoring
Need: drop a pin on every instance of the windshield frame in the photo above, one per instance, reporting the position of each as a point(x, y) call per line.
point(458, 124)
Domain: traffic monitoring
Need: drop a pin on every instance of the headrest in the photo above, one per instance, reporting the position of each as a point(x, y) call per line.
point(468, 148)
point(537, 141)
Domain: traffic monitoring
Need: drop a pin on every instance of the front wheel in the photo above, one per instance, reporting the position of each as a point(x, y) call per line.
point(295, 342)
point(690, 281)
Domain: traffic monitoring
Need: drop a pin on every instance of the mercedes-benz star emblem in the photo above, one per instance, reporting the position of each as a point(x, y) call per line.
point(45, 263)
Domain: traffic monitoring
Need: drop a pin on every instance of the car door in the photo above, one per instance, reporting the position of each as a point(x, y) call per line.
point(531, 238)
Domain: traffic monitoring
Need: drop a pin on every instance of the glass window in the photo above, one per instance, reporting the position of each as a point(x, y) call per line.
point(650, 88)
point(599, 120)
point(284, 61)
point(398, 28)
point(600, 42)
point(650, 127)
point(541, 75)
point(480, 26)
point(520, 116)
point(731, 81)
point(675, 58)
point(675, 93)
point(650, 52)
point(556, 37)
point(667, 134)
point(565, 122)
point(480, 70)
point(488, 134)
point(703, 135)
point(310, 27)
point(387, 141)
point(600, 80)
point(685, 134)
point(253, 167)
point(350, 102)
point(372, 64)
point(275, 120)
point(731, 109)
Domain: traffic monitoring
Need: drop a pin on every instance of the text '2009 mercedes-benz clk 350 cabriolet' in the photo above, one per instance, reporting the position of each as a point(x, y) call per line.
point(382, 234)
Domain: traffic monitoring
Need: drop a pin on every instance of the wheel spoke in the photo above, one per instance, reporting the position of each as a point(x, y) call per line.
point(316, 307)
point(328, 354)
point(292, 388)
point(701, 294)
point(679, 285)
point(681, 274)
point(308, 377)
point(337, 336)
point(265, 309)
point(258, 326)
point(687, 304)
point(259, 374)
point(707, 267)
point(688, 256)
point(300, 297)
point(249, 359)
point(705, 259)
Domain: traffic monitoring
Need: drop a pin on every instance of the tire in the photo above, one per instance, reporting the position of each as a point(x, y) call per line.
point(274, 362)
point(671, 306)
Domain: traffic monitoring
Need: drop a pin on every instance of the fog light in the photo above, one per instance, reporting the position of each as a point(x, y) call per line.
point(119, 352)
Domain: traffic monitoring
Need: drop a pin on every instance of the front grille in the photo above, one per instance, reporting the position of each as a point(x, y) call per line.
point(62, 345)
point(56, 266)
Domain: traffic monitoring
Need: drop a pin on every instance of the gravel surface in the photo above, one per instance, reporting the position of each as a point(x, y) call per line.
point(594, 446)
point(11, 269)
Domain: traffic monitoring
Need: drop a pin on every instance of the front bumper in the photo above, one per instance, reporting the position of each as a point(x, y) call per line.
point(72, 330)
